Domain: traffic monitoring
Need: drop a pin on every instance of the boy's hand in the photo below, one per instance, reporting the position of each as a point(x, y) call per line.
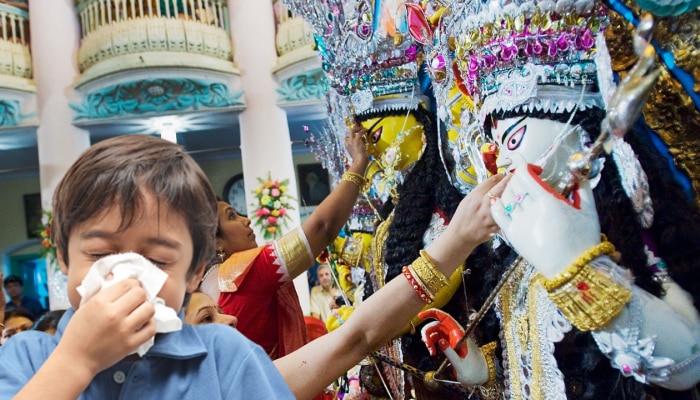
point(109, 327)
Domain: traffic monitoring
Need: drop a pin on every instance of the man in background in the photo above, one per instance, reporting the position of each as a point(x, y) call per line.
point(323, 296)
point(13, 287)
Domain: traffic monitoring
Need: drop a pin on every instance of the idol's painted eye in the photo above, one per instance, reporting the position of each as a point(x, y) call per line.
point(376, 135)
point(516, 138)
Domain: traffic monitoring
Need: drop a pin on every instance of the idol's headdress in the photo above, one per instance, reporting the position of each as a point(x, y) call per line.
point(533, 54)
point(367, 62)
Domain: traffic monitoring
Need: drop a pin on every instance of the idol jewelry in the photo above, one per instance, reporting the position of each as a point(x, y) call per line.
point(518, 199)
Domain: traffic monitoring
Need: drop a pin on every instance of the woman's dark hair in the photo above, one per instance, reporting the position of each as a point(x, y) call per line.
point(119, 172)
point(20, 313)
point(49, 321)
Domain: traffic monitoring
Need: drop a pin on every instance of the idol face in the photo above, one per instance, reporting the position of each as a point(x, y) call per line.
point(547, 143)
point(395, 141)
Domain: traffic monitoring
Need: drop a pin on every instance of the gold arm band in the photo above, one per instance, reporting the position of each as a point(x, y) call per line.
point(590, 299)
point(355, 178)
point(602, 248)
point(425, 270)
point(489, 352)
point(294, 252)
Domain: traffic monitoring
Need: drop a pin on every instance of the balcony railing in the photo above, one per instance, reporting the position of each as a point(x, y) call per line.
point(125, 34)
point(15, 59)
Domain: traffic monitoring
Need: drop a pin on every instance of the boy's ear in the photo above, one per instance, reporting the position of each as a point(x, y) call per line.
point(195, 279)
point(61, 263)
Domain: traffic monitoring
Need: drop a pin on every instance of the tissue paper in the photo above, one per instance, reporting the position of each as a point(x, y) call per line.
point(126, 266)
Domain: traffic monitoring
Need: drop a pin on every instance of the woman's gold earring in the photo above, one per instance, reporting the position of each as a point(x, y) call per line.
point(220, 254)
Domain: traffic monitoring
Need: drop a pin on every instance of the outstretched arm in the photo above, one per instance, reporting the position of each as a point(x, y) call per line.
point(382, 316)
point(325, 222)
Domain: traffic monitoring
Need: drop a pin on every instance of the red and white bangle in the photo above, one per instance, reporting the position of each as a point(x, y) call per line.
point(417, 285)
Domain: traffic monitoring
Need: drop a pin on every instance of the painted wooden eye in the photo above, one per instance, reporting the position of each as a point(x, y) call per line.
point(376, 135)
point(516, 138)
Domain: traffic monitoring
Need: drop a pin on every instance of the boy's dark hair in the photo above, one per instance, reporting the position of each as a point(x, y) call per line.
point(118, 171)
point(13, 279)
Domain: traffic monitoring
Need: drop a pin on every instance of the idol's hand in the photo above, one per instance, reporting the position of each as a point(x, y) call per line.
point(549, 231)
point(468, 362)
point(445, 332)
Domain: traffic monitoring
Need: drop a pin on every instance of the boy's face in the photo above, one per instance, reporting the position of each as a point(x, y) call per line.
point(157, 233)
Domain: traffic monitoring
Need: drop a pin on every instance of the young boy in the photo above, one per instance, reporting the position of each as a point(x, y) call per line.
point(140, 194)
point(144, 195)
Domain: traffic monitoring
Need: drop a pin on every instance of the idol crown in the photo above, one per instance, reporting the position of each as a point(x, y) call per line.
point(362, 54)
point(506, 49)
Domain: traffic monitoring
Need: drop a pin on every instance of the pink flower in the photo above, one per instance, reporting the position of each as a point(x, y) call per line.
point(271, 220)
point(275, 192)
point(260, 212)
point(265, 211)
point(283, 211)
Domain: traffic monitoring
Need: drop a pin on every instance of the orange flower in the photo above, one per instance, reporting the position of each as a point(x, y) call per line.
point(271, 229)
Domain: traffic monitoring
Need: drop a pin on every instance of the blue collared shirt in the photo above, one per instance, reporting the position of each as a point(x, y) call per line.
point(209, 362)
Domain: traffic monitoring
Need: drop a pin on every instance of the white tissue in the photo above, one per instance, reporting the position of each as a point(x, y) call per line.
point(132, 265)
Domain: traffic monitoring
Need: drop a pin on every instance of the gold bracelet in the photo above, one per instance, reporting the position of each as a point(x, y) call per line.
point(355, 178)
point(590, 299)
point(425, 270)
point(602, 248)
point(489, 352)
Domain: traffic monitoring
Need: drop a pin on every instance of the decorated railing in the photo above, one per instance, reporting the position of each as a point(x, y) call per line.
point(15, 59)
point(119, 35)
point(16, 85)
point(298, 69)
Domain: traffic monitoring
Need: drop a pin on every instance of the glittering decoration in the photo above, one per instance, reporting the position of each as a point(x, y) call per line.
point(518, 199)
point(669, 111)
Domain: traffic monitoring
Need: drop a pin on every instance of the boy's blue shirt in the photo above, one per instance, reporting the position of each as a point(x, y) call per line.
point(211, 361)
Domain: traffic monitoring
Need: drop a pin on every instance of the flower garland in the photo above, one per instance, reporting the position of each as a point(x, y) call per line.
point(48, 250)
point(272, 206)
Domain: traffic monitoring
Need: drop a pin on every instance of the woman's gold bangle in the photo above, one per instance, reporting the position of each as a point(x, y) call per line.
point(355, 178)
point(425, 270)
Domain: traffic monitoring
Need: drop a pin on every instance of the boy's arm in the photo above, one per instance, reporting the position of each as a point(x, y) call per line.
point(384, 314)
point(102, 332)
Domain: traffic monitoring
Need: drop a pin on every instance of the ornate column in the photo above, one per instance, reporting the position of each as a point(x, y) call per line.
point(265, 143)
point(55, 34)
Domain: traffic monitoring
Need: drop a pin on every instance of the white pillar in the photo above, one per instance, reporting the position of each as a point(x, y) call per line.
point(265, 143)
point(55, 37)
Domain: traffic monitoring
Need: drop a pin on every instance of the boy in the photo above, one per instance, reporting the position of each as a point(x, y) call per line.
point(144, 195)
point(141, 194)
